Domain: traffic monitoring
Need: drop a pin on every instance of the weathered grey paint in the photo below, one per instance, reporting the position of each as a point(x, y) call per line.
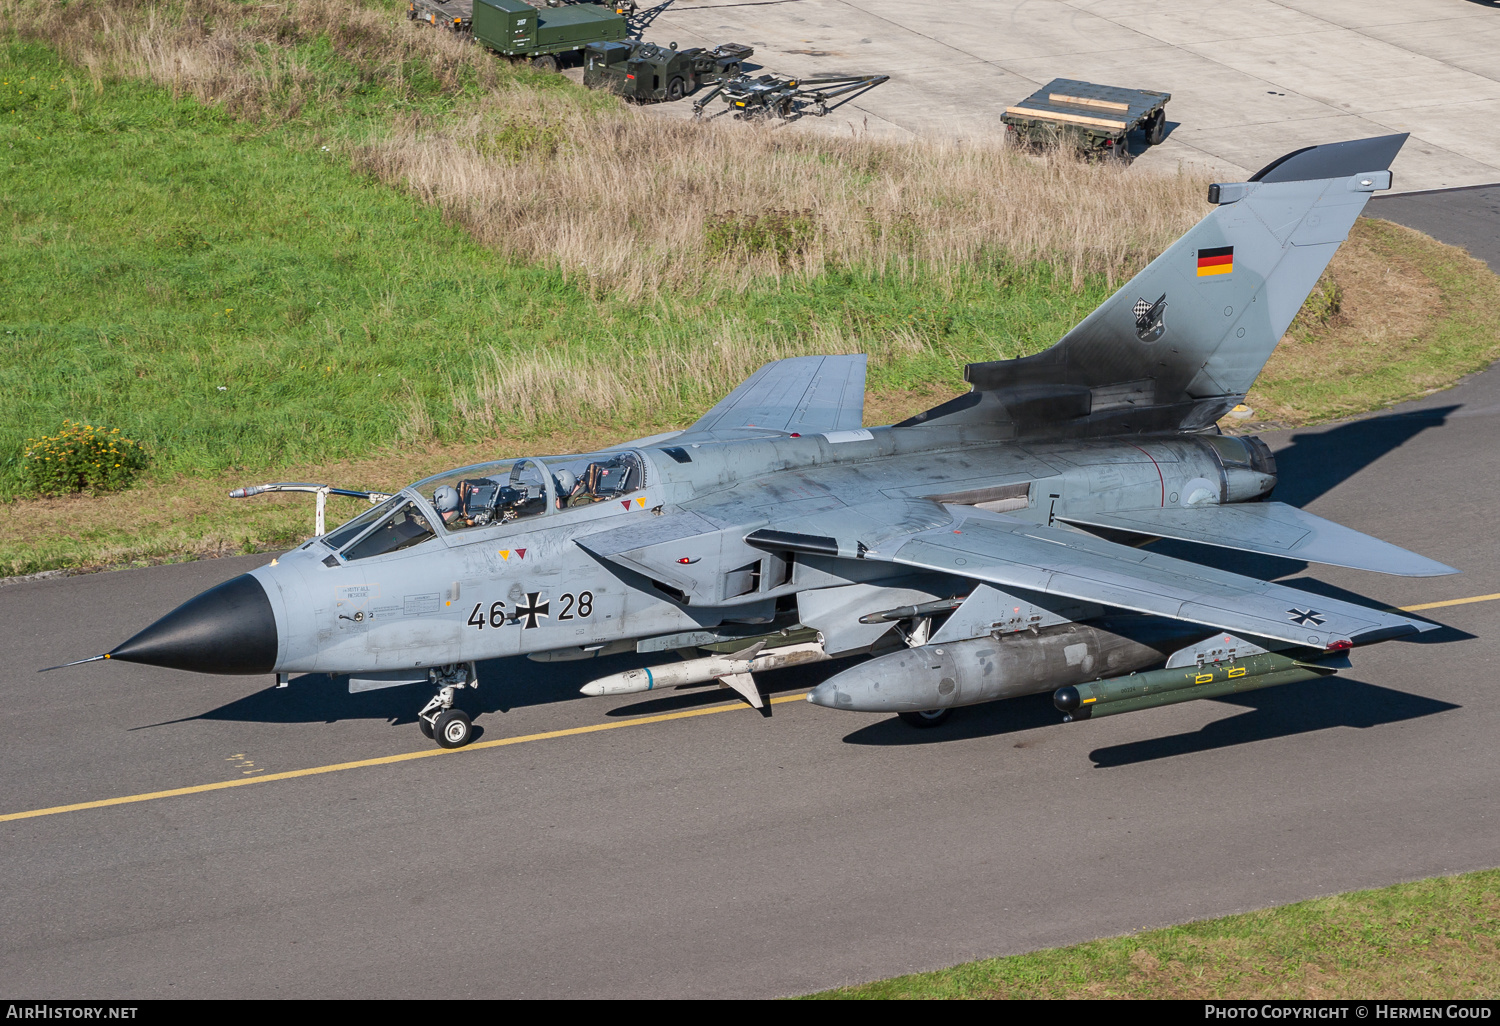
point(778, 510)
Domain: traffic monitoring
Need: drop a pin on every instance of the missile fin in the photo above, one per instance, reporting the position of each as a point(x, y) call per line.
point(745, 685)
point(749, 653)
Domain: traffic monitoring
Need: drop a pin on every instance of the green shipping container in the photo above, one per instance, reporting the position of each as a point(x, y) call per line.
point(516, 29)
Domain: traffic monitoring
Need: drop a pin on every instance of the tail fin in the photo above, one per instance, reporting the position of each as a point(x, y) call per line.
point(1187, 337)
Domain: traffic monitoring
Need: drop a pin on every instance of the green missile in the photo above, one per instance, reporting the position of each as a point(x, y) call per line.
point(1183, 684)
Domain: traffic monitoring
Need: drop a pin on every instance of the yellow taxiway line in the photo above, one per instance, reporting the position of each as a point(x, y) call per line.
point(1449, 602)
point(428, 753)
point(385, 760)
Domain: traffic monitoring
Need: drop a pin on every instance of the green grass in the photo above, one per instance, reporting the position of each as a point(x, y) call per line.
point(233, 295)
point(1433, 939)
point(219, 284)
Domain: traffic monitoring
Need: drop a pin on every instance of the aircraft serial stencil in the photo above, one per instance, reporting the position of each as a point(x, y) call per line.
point(960, 547)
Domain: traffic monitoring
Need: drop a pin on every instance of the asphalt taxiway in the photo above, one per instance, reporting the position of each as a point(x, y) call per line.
point(1250, 79)
point(681, 845)
point(172, 834)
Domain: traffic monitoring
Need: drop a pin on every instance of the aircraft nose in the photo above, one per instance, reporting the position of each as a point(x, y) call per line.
point(228, 629)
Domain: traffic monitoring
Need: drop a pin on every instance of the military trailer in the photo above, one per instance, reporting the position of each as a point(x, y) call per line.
point(1094, 119)
point(515, 29)
point(645, 72)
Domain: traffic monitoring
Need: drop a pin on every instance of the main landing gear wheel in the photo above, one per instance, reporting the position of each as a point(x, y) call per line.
point(452, 729)
point(425, 728)
point(926, 718)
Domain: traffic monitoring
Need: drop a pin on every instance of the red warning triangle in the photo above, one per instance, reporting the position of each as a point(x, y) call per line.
point(625, 503)
point(521, 553)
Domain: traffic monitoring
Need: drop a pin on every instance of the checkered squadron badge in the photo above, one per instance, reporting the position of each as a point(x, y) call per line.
point(1305, 617)
point(1149, 323)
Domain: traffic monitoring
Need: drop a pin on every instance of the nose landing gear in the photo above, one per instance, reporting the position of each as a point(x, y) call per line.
point(439, 720)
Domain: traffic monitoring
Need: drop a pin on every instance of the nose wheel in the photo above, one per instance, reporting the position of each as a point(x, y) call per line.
point(439, 720)
point(452, 729)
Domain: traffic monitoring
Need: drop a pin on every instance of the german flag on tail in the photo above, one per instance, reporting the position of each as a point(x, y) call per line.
point(1219, 260)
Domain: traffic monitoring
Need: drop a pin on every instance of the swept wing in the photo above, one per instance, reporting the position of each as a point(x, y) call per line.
point(1012, 553)
point(1271, 529)
point(805, 394)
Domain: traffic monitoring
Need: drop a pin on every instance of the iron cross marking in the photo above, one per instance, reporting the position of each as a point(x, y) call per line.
point(1303, 617)
point(531, 610)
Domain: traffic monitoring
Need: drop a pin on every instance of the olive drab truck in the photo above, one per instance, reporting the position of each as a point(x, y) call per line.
point(647, 72)
point(515, 29)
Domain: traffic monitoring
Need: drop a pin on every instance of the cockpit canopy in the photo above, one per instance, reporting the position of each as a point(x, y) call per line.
point(487, 494)
point(491, 493)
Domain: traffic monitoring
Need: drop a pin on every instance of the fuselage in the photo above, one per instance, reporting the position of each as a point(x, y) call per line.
point(529, 585)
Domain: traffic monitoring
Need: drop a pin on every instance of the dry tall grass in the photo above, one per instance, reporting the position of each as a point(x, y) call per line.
point(242, 57)
point(585, 386)
point(641, 202)
point(626, 200)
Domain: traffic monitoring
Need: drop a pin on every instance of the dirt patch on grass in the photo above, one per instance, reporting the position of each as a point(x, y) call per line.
point(1409, 315)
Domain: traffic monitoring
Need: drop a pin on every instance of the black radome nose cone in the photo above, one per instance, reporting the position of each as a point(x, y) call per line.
point(228, 629)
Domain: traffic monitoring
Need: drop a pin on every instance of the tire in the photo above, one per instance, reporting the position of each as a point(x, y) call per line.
point(675, 90)
point(546, 62)
point(1156, 131)
point(927, 718)
point(425, 728)
point(453, 729)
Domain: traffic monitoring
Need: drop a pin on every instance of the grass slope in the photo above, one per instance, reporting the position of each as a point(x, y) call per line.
point(214, 278)
point(1433, 939)
point(236, 297)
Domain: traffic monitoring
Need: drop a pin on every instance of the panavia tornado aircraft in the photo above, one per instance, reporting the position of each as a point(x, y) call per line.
point(978, 551)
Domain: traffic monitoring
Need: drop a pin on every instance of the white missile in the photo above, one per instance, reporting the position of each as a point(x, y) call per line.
point(730, 670)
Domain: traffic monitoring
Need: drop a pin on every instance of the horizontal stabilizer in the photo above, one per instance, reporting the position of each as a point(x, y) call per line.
point(1270, 529)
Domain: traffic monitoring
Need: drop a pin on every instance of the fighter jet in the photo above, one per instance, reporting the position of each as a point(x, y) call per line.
point(984, 549)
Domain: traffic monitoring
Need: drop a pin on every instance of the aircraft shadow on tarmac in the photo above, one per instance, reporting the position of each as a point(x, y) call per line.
point(1318, 461)
point(1274, 712)
point(1282, 712)
point(504, 684)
